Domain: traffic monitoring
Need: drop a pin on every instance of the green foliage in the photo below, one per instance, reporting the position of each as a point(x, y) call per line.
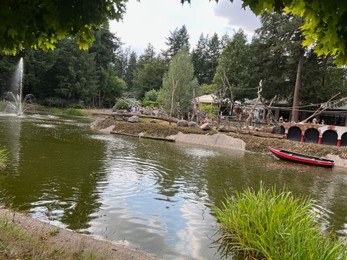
point(149, 73)
point(325, 22)
point(177, 92)
point(120, 105)
point(205, 58)
point(274, 225)
point(207, 89)
point(151, 95)
point(67, 112)
point(232, 74)
point(41, 24)
point(3, 157)
point(275, 52)
point(73, 112)
point(178, 40)
point(211, 110)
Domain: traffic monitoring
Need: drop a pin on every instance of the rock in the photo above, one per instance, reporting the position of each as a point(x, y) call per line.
point(133, 119)
point(193, 124)
point(122, 111)
point(205, 126)
point(182, 123)
point(223, 129)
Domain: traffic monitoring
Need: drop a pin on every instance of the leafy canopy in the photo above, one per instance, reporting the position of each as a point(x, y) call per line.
point(325, 22)
point(40, 24)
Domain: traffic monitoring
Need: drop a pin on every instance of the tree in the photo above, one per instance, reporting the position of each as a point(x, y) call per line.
point(275, 52)
point(233, 68)
point(178, 40)
point(149, 73)
point(177, 92)
point(104, 49)
point(325, 22)
point(130, 72)
point(205, 58)
point(41, 24)
point(276, 48)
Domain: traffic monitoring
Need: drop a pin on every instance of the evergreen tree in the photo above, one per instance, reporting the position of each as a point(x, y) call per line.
point(232, 74)
point(178, 40)
point(130, 72)
point(105, 48)
point(276, 49)
point(200, 60)
point(149, 72)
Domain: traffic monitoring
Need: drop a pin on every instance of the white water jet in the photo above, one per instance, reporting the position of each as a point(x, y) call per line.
point(14, 98)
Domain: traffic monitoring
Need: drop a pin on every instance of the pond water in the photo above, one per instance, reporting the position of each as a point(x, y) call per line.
point(150, 195)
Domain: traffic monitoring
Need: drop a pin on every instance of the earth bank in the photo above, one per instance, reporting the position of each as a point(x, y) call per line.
point(255, 141)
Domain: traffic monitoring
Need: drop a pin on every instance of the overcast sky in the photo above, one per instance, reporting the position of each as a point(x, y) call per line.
point(151, 21)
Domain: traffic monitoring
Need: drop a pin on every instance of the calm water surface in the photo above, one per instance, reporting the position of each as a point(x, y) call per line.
point(150, 195)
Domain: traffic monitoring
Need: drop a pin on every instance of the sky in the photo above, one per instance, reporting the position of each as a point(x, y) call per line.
point(152, 21)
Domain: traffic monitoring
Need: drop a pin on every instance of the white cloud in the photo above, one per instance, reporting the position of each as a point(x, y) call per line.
point(151, 21)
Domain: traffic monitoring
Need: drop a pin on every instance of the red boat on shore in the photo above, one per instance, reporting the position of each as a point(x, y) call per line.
point(301, 158)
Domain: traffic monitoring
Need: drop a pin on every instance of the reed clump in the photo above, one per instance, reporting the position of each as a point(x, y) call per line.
point(271, 224)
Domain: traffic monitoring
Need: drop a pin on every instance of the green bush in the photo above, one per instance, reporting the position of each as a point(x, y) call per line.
point(73, 112)
point(121, 105)
point(151, 104)
point(151, 95)
point(274, 225)
point(211, 110)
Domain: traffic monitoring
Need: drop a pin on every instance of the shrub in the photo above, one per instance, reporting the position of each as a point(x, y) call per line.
point(73, 112)
point(211, 110)
point(151, 95)
point(272, 225)
point(121, 105)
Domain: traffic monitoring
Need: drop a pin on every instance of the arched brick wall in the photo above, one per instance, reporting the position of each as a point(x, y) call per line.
point(329, 137)
point(294, 133)
point(311, 135)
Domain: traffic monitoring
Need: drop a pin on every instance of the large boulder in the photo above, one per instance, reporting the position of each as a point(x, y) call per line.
point(182, 123)
point(133, 119)
point(193, 124)
point(205, 127)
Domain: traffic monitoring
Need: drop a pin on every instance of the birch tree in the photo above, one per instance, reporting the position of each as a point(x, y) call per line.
point(177, 92)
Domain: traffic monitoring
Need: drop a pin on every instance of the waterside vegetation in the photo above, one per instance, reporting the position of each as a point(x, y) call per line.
point(271, 224)
point(3, 158)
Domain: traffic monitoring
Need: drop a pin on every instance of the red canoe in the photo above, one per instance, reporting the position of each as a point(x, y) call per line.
point(301, 158)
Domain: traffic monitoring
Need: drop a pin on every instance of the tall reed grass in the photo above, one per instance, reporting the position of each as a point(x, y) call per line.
point(271, 224)
point(3, 158)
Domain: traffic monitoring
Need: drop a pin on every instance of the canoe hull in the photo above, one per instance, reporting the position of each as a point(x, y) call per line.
point(301, 158)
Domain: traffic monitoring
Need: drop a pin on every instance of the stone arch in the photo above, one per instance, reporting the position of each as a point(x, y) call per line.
point(311, 135)
point(294, 133)
point(344, 139)
point(279, 130)
point(329, 137)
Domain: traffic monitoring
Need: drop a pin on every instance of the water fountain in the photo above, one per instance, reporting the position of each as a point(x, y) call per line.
point(15, 101)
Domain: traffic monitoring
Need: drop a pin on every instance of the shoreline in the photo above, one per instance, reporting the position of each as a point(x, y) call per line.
point(257, 142)
point(35, 239)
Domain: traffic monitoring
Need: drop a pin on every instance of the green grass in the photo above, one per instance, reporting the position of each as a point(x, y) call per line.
point(274, 225)
point(68, 112)
point(17, 242)
point(3, 158)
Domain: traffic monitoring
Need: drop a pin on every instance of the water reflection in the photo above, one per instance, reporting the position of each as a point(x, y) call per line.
point(151, 195)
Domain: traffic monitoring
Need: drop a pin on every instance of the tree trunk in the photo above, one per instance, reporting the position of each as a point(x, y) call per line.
point(295, 110)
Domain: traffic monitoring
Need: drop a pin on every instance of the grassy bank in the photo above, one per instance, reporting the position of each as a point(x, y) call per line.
point(274, 225)
point(22, 237)
point(254, 143)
